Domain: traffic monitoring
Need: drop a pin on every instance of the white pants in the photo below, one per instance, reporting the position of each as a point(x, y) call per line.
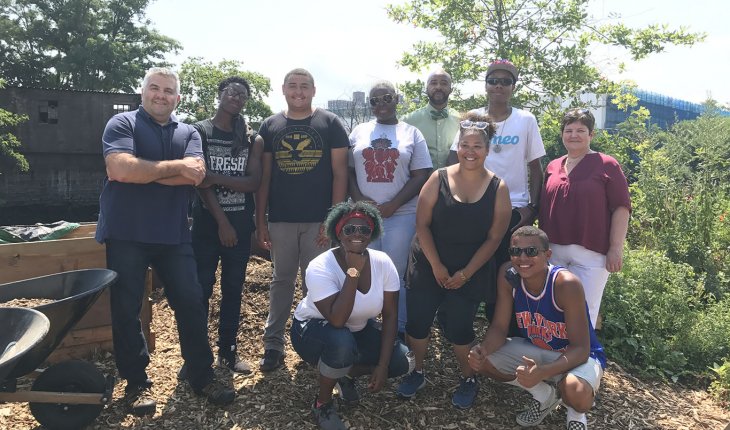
point(589, 266)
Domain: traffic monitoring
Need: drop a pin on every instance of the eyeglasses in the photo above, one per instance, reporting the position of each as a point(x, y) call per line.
point(385, 98)
point(232, 93)
point(479, 125)
point(350, 229)
point(505, 82)
point(530, 251)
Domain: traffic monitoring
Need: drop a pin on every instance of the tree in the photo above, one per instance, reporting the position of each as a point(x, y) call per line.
point(548, 40)
point(10, 158)
point(199, 86)
point(102, 45)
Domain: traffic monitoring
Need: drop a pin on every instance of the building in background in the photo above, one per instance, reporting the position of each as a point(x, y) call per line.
point(353, 111)
point(62, 142)
point(664, 110)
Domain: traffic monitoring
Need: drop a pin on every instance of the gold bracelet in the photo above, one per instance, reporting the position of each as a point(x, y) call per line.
point(463, 276)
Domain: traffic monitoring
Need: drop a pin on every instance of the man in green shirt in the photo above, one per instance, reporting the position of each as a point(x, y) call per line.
point(436, 121)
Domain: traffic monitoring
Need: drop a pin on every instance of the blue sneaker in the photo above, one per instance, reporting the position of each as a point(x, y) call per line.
point(466, 393)
point(411, 383)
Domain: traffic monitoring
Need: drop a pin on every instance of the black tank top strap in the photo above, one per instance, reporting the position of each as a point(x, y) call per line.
point(444, 190)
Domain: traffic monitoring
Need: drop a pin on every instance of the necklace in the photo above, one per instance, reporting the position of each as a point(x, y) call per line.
point(571, 162)
point(528, 299)
point(497, 146)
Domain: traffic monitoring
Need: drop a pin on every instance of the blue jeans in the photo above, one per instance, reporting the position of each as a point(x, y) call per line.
point(336, 350)
point(233, 260)
point(398, 232)
point(175, 265)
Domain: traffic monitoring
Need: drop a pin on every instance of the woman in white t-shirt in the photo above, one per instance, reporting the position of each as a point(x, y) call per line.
point(334, 327)
point(388, 164)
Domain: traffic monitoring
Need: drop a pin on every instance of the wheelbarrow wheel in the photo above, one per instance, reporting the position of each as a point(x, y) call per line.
point(74, 376)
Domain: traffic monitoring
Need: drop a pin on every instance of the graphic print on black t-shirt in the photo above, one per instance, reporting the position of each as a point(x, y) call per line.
point(220, 160)
point(380, 160)
point(298, 150)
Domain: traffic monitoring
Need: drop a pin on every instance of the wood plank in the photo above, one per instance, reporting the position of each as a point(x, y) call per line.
point(24, 396)
point(85, 230)
point(19, 261)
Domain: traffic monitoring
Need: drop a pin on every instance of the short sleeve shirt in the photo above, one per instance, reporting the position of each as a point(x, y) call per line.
point(439, 133)
point(325, 277)
point(147, 213)
point(301, 174)
point(516, 143)
point(383, 156)
point(576, 209)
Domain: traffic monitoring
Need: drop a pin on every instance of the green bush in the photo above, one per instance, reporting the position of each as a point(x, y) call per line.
point(720, 387)
point(647, 309)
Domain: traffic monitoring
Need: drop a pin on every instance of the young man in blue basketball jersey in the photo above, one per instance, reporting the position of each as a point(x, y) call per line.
point(558, 344)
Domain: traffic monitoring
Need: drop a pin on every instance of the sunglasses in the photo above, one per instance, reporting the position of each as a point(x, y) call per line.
point(230, 92)
point(530, 251)
point(385, 98)
point(350, 229)
point(479, 125)
point(505, 82)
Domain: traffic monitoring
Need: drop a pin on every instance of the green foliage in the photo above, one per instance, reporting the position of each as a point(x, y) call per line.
point(199, 88)
point(720, 387)
point(682, 198)
point(667, 313)
point(549, 41)
point(10, 158)
point(648, 308)
point(79, 44)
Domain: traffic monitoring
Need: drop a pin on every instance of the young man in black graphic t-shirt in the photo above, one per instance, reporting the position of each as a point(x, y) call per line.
point(304, 172)
point(223, 211)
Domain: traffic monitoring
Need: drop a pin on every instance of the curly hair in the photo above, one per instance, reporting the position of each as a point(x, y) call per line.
point(234, 80)
point(487, 133)
point(339, 210)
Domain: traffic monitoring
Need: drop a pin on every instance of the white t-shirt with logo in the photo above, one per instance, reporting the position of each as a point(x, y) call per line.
point(325, 277)
point(383, 156)
point(516, 143)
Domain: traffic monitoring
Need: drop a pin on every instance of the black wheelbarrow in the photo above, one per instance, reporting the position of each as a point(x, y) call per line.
point(70, 394)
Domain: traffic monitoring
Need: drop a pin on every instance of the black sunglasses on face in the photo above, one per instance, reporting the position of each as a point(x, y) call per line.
point(350, 229)
point(505, 82)
point(385, 98)
point(530, 251)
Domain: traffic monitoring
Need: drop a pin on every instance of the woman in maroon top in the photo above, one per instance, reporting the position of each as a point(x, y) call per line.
point(584, 208)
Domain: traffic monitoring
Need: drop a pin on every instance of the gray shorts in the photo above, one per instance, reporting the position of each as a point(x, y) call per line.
point(509, 357)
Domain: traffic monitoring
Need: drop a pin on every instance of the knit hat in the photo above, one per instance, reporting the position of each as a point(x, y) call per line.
point(505, 65)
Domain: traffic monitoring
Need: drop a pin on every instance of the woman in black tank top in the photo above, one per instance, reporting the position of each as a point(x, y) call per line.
point(463, 213)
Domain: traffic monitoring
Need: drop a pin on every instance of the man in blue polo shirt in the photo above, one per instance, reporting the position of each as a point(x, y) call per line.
point(152, 163)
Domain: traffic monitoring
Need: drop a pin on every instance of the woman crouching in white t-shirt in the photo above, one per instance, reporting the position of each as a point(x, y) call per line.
point(333, 326)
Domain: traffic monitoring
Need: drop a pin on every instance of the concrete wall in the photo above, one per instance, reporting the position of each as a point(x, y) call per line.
point(62, 143)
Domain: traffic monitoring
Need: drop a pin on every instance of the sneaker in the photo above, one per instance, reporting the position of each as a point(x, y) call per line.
point(576, 425)
point(466, 393)
point(272, 360)
point(326, 416)
point(347, 387)
point(229, 359)
point(536, 412)
point(411, 383)
point(138, 398)
point(217, 393)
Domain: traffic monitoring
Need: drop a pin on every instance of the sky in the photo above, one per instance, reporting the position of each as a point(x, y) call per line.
point(349, 44)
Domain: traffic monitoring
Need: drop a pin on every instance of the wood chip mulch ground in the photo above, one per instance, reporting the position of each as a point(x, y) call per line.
point(281, 399)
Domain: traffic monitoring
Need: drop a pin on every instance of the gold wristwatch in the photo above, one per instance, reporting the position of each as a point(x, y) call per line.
point(353, 273)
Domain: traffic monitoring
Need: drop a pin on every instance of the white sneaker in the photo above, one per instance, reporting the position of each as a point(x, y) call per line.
point(576, 425)
point(536, 411)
